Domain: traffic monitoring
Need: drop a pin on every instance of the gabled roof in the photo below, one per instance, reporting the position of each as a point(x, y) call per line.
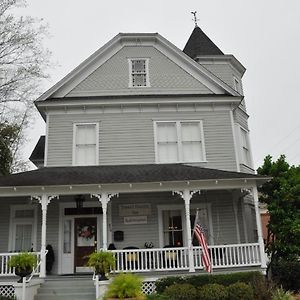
point(200, 44)
point(56, 176)
point(69, 82)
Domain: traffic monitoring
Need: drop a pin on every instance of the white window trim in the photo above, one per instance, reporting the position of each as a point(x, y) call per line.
point(130, 84)
point(239, 137)
point(74, 141)
point(16, 221)
point(179, 144)
point(161, 208)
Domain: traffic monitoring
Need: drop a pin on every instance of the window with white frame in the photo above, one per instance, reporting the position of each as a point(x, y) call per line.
point(139, 74)
point(85, 150)
point(245, 149)
point(172, 228)
point(23, 224)
point(179, 141)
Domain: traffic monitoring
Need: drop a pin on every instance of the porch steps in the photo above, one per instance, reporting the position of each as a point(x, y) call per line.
point(75, 288)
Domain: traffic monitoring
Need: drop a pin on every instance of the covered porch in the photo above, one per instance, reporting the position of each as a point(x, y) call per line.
point(144, 214)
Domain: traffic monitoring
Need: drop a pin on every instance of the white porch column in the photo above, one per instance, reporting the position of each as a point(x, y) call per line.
point(259, 229)
point(186, 195)
point(235, 203)
point(44, 200)
point(104, 198)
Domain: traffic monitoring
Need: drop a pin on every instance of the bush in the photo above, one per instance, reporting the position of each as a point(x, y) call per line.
point(200, 280)
point(240, 291)
point(287, 275)
point(213, 291)
point(281, 294)
point(181, 292)
point(156, 297)
point(125, 286)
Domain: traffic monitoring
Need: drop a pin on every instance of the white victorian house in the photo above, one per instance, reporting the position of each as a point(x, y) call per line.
point(138, 137)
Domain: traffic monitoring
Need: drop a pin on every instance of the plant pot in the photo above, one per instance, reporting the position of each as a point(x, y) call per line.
point(23, 273)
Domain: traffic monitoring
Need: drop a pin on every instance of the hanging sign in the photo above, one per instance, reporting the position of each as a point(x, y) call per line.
point(136, 209)
point(135, 220)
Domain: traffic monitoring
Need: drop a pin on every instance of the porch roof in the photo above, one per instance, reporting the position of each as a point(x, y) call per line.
point(116, 174)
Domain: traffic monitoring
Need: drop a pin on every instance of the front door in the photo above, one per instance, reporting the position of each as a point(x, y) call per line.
point(85, 241)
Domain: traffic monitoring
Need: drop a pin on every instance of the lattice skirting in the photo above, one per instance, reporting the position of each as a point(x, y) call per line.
point(7, 290)
point(148, 287)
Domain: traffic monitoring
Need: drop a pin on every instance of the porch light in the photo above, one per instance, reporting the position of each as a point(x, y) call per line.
point(79, 199)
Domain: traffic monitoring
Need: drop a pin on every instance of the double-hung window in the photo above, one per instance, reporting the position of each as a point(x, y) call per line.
point(245, 155)
point(23, 225)
point(139, 73)
point(85, 150)
point(179, 141)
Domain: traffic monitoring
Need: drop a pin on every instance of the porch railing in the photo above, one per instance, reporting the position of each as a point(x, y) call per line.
point(167, 259)
point(6, 271)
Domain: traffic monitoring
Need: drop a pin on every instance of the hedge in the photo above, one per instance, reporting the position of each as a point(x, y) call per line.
point(200, 280)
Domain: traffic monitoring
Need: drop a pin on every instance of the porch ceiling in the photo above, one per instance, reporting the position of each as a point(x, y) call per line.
point(116, 178)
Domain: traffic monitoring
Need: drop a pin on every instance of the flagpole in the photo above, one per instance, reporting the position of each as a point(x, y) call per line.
point(195, 222)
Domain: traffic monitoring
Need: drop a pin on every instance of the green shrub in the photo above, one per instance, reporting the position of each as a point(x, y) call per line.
point(240, 291)
point(125, 286)
point(281, 294)
point(213, 291)
point(287, 275)
point(201, 280)
point(156, 297)
point(181, 292)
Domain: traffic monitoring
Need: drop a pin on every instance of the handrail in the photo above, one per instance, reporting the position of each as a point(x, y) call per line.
point(37, 266)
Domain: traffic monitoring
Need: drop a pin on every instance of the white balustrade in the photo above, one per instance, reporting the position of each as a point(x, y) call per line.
point(166, 259)
point(6, 271)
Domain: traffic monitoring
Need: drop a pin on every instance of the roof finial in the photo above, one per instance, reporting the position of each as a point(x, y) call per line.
point(195, 17)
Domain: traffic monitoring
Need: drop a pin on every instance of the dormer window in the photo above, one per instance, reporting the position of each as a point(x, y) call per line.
point(138, 72)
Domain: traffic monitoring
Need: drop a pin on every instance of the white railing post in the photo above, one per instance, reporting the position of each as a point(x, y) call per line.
point(104, 198)
point(24, 288)
point(259, 229)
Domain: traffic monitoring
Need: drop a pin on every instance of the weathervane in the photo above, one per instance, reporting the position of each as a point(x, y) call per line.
point(195, 17)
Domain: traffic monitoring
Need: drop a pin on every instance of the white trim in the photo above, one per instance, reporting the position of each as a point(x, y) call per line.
point(46, 140)
point(237, 84)
point(250, 163)
point(161, 208)
point(179, 142)
point(234, 142)
point(70, 256)
point(74, 141)
point(130, 83)
point(13, 222)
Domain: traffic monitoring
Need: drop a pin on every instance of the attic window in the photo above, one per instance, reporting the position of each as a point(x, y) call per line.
point(139, 74)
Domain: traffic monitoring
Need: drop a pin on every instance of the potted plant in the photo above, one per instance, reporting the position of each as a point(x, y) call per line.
point(102, 262)
point(23, 263)
point(125, 286)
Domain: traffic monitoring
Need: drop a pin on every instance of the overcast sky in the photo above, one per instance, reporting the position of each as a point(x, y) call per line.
point(264, 35)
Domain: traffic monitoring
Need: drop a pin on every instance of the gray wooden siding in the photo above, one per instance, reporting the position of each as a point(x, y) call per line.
point(113, 75)
point(128, 138)
point(224, 229)
point(241, 118)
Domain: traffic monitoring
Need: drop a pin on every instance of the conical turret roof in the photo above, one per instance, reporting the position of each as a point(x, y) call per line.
point(200, 44)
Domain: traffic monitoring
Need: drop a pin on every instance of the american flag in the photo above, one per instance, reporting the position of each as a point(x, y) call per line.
point(200, 235)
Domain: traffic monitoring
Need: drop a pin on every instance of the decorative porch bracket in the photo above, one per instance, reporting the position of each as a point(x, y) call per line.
point(187, 195)
point(104, 198)
point(259, 230)
point(44, 200)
